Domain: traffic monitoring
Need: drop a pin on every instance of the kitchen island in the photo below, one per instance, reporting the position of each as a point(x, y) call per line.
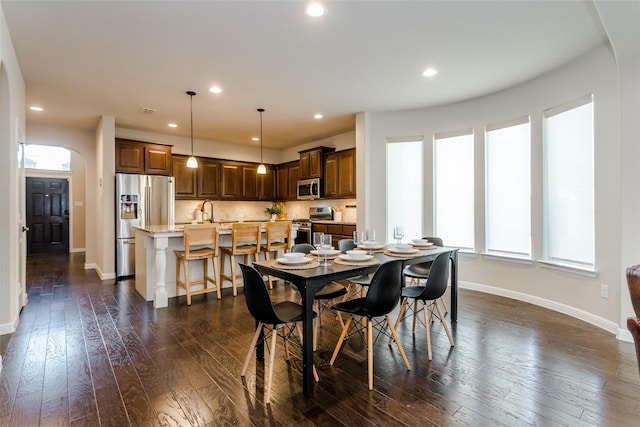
point(156, 261)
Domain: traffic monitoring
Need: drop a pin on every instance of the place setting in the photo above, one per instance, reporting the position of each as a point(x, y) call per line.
point(295, 261)
point(400, 249)
point(356, 257)
point(366, 240)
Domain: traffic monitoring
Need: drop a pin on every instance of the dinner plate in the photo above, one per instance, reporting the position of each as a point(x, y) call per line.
point(428, 245)
point(327, 253)
point(293, 261)
point(348, 257)
point(396, 250)
point(370, 245)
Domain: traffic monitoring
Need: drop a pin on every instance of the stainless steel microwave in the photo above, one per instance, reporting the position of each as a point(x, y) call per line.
point(310, 189)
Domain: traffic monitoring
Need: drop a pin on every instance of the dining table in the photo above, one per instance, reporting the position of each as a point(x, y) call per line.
point(310, 280)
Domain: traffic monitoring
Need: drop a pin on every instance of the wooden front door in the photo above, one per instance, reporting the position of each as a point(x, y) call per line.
point(47, 215)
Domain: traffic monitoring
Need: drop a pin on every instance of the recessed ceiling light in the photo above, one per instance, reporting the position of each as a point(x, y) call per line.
point(34, 108)
point(430, 72)
point(317, 116)
point(315, 9)
point(255, 138)
point(215, 89)
point(173, 125)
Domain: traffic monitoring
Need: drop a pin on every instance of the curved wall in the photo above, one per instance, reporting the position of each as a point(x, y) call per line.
point(575, 294)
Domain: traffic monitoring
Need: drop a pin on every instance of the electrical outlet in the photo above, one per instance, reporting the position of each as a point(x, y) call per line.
point(604, 290)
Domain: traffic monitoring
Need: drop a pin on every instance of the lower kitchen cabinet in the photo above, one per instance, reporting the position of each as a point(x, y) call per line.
point(338, 231)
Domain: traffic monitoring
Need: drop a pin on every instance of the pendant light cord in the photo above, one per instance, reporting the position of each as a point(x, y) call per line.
point(261, 110)
point(191, 93)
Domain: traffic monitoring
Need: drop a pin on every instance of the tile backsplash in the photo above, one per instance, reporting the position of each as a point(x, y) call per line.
point(255, 211)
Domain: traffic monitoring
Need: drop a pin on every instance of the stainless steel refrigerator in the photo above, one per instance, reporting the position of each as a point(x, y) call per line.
point(141, 201)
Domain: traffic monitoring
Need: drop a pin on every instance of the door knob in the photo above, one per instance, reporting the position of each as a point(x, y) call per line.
point(25, 228)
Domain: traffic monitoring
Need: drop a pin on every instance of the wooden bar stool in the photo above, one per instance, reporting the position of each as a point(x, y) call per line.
point(198, 235)
point(245, 241)
point(278, 238)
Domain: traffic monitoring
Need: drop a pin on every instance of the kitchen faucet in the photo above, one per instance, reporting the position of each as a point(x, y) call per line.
point(203, 209)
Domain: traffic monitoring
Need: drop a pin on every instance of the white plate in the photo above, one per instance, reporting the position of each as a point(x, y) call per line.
point(348, 257)
point(327, 253)
point(301, 260)
point(428, 245)
point(397, 250)
point(370, 245)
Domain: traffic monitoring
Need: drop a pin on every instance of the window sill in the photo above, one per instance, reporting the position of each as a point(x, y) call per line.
point(508, 258)
point(569, 268)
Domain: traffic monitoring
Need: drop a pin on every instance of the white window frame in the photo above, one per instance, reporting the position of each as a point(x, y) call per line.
point(523, 194)
point(469, 196)
point(548, 258)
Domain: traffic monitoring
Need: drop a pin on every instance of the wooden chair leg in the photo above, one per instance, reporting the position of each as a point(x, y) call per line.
point(444, 305)
point(233, 275)
point(252, 349)
point(216, 275)
point(403, 308)
point(341, 340)
point(187, 281)
point(272, 358)
point(444, 324)
point(398, 343)
point(415, 311)
point(427, 309)
point(177, 276)
point(370, 353)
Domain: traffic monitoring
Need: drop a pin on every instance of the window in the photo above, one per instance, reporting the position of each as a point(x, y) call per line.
point(44, 157)
point(454, 201)
point(569, 194)
point(508, 188)
point(404, 186)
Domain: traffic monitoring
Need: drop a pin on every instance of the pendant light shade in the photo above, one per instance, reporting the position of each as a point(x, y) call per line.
point(262, 169)
point(192, 162)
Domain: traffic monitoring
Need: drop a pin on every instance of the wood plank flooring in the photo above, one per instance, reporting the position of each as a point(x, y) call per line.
point(95, 353)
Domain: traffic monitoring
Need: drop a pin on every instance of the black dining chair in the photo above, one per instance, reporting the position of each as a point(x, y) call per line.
point(324, 297)
point(356, 285)
point(417, 272)
point(428, 295)
point(282, 318)
point(383, 296)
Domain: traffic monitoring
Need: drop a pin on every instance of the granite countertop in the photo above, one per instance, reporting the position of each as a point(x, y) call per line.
point(178, 229)
point(330, 221)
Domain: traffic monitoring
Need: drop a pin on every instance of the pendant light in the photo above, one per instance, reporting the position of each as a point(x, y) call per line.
point(262, 169)
point(192, 162)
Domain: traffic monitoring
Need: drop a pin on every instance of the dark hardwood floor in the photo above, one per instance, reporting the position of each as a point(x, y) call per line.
point(94, 353)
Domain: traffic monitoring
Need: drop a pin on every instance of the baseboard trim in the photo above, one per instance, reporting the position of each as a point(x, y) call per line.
point(74, 250)
point(89, 265)
point(585, 316)
point(104, 276)
point(9, 328)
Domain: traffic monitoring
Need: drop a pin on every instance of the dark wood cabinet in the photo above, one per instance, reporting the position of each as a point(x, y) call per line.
point(287, 179)
point(143, 158)
point(230, 180)
point(208, 178)
point(337, 231)
point(267, 184)
point(202, 182)
point(312, 162)
point(186, 179)
point(340, 174)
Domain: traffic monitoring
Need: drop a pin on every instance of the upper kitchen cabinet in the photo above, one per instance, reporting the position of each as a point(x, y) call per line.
point(340, 174)
point(208, 178)
point(186, 179)
point(230, 180)
point(142, 158)
point(312, 162)
point(240, 181)
point(287, 178)
point(201, 183)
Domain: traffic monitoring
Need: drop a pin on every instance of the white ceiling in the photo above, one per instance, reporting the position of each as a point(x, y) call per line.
point(85, 59)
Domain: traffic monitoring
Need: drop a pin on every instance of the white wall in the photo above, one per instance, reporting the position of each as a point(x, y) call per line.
point(12, 118)
point(567, 292)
